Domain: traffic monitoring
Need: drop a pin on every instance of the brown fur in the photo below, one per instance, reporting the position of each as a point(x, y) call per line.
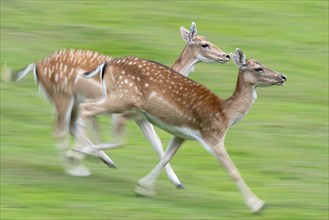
point(141, 82)
point(57, 73)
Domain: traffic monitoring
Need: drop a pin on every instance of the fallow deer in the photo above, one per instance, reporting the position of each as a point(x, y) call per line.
point(58, 76)
point(182, 107)
point(197, 49)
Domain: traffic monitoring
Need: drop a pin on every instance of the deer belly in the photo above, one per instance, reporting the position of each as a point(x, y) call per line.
point(182, 132)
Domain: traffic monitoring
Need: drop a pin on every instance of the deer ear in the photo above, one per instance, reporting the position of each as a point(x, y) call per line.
point(185, 34)
point(239, 58)
point(189, 35)
point(193, 32)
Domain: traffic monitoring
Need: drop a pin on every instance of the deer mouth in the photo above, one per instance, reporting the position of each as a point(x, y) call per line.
point(280, 83)
point(222, 61)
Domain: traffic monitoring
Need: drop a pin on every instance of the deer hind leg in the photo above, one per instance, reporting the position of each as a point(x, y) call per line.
point(64, 107)
point(110, 104)
point(152, 136)
point(74, 117)
point(145, 186)
point(251, 200)
point(73, 122)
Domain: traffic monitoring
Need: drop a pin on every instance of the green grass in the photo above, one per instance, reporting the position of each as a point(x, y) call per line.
point(281, 146)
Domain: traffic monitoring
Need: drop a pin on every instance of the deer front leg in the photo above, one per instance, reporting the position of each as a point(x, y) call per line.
point(152, 136)
point(145, 186)
point(252, 201)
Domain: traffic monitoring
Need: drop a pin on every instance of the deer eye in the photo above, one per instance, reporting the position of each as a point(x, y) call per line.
point(259, 69)
point(204, 45)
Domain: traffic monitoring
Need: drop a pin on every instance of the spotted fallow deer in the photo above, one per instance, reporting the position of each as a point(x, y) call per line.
point(197, 49)
point(183, 108)
point(58, 77)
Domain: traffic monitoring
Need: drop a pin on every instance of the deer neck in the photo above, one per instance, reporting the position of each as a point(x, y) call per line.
point(185, 62)
point(241, 101)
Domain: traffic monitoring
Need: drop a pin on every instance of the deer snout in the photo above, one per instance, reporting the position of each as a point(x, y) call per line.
point(224, 58)
point(283, 77)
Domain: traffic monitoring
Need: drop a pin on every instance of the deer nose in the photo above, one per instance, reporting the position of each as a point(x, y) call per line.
point(283, 77)
point(227, 57)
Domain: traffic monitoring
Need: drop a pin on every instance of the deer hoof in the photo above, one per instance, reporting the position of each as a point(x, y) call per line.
point(256, 205)
point(144, 190)
point(78, 171)
point(108, 163)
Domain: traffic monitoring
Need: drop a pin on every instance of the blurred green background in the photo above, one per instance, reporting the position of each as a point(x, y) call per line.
point(281, 146)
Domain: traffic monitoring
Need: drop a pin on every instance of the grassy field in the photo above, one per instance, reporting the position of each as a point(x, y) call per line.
point(281, 146)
